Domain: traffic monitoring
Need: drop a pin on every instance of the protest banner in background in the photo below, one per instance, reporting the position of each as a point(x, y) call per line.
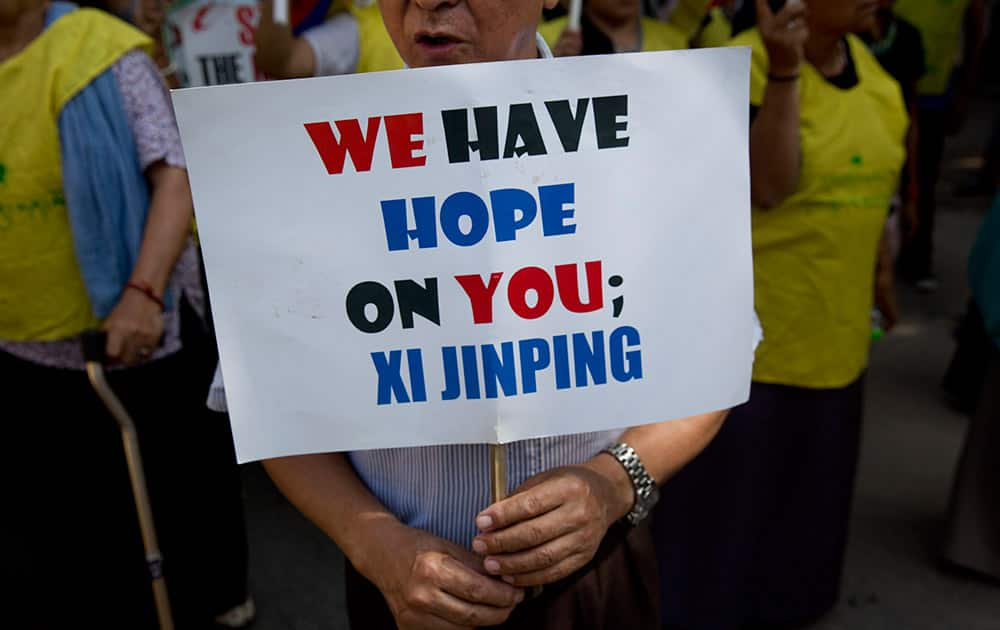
point(213, 42)
point(476, 253)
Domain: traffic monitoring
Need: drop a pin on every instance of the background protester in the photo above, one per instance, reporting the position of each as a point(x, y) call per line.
point(95, 207)
point(351, 39)
point(716, 27)
point(953, 34)
point(753, 532)
point(973, 536)
point(609, 26)
point(898, 46)
point(687, 16)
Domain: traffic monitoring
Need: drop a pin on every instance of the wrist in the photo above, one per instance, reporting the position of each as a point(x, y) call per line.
point(622, 496)
point(784, 67)
point(140, 287)
point(779, 78)
point(375, 543)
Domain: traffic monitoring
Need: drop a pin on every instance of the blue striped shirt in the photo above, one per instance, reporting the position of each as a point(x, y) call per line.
point(441, 489)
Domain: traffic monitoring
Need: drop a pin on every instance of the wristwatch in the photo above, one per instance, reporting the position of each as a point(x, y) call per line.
point(647, 493)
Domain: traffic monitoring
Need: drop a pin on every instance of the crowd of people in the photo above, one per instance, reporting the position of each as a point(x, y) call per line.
point(851, 102)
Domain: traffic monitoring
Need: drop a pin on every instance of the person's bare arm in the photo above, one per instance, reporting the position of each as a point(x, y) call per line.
point(279, 53)
point(775, 158)
point(135, 323)
point(885, 284)
point(427, 582)
point(555, 521)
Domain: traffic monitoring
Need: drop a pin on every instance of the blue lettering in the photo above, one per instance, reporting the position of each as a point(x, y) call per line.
point(589, 358)
point(554, 199)
point(534, 357)
point(415, 361)
point(560, 351)
point(506, 202)
point(470, 367)
point(397, 232)
point(497, 370)
point(466, 204)
point(390, 381)
point(625, 366)
point(452, 384)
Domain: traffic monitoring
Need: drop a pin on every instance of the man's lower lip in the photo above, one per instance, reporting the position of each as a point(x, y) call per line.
point(437, 47)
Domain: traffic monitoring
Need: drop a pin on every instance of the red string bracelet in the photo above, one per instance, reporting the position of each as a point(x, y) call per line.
point(146, 290)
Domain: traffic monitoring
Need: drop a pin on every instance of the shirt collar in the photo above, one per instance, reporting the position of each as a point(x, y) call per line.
point(543, 49)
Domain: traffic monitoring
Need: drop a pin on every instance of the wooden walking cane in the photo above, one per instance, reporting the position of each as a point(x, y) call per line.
point(93, 353)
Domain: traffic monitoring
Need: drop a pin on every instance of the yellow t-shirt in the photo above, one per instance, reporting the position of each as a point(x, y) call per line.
point(688, 15)
point(815, 254)
point(42, 294)
point(656, 35)
point(377, 52)
point(940, 24)
point(717, 32)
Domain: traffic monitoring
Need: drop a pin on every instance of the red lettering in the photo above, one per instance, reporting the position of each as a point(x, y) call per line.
point(332, 152)
point(569, 287)
point(400, 130)
point(175, 34)
point(480, 295)
point(198, 24)
point(527, 279)
point(245, 15)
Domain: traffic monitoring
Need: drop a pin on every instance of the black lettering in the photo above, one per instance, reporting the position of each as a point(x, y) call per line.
point(206, 77)
point(607, 109)
point(521, 124)
point(456, 133)
point(361, 296)
point(568, 125)
point(422, 300)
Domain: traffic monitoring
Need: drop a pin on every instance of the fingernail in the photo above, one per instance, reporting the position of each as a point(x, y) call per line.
point(520, 594)
point(484, 522)
point(492, 566)
point(510, 580)
point(478, 546)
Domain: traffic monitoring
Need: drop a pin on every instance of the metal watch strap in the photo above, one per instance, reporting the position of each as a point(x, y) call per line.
point(647, 493)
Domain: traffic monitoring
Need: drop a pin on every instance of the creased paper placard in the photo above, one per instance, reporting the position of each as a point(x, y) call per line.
point(477, 253)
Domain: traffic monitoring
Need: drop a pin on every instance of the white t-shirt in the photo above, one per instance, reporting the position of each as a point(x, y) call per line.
point(336, 44)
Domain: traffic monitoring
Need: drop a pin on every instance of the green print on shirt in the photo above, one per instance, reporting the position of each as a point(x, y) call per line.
point(857, 160)
point(36, 209)
point(3, 172)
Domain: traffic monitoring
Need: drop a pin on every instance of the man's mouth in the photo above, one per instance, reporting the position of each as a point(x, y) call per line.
point(436, 40)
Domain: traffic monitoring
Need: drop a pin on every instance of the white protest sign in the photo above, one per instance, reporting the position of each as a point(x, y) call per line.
point(476, 253)
point(213, 43)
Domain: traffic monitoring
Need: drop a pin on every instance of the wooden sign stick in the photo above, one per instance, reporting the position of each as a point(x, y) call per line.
point(498, 472)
